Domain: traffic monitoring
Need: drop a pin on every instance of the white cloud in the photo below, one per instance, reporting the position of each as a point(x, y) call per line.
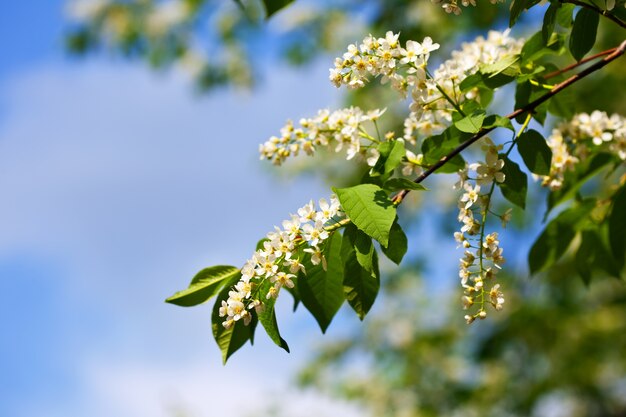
point(133, 184)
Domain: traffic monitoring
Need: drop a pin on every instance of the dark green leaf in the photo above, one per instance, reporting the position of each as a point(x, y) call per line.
point(556, 237)
point(272, 6)
point(321, 291)
point(204, 285)
point(362, 244)
point(584, 31)
point(585, 257)
point(267, 317)
point(617, 227)
point(398, 244)
point(398, 184)
point(359, 285)
point(472, 122)
point(369, 208)
point(228, 340)
point(517, 7)
point(535, 152)
point(515, 183)
point(495, 120)
point(549, 21)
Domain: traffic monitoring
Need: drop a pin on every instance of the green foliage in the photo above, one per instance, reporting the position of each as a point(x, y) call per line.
point(321, 290)
point(617, 227)
point(472, 122)
point(273, 6)
point(398, 244)
point(369, 208)
point(204, 285)
point(583, 35)
point(515, 183)
point(398, 184)
point(535, 152)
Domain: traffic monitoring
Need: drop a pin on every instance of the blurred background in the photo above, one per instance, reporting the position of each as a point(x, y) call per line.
point(128, 162)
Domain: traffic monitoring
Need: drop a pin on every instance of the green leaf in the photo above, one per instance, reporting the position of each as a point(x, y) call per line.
point(267, 317)
point(584, 258)
point(501, 66)
point(321, 291)
point(272, 6)
point(584, 31)
point(564, 15)
point(398, 244)
point(574, 180)
point(495, 120)
point(471, 81)
point(556, 237)
point(391, 154)
point(436, 147)
point(515, 182)
point(549, 21)
point(229, 340)
point(360, 286)
point(517, 7)
point(535, 152)
point(472, 122)
point(398, 184)
point(369, 208)
point(617, 227)
point(204, 285)
point(362, 244)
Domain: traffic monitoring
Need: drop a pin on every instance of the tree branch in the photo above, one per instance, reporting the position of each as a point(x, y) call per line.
point(579, 63)
point(617, 52)
point(597, 10)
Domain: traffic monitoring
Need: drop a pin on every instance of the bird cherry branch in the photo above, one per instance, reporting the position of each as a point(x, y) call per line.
point(616, 53)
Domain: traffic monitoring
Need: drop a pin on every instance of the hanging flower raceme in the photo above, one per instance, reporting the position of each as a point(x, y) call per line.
point(581, 137)
point(277, 263)
point(483, 254)
point(452, 6)
point(342, 129)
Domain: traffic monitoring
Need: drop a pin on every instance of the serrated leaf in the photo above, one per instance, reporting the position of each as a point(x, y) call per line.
point(515, 183)
point(359, 285)
point(549, 21)
point(369, 208)
point(228, 340)
point(556, 237)
point(399, 184)
point(321, 291)
point(617, 227)
point(203, 286)
point(267, 318)
point(584, 31)
point(535, 152)
point(398, 244)
point(472, 122)
point(273, 6)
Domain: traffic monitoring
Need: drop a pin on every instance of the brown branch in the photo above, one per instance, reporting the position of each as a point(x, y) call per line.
point(579, 63)
point(617, 52)
point(596, 9)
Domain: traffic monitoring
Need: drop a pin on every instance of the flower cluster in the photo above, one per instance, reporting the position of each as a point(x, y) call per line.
point(582, 136)
point(276, 264)
point(483, 255)
point(452, 6)
point(432, 104)
point(341, 129)
point(402, 67)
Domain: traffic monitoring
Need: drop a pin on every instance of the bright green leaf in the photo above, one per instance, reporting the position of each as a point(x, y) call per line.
point(584, 31)
point(515, 183)
point(564, 15)
point(204, 285)
point(472, 122)
point(369, 208)
point(535, 152)
point(267, 317)
point(495, 120)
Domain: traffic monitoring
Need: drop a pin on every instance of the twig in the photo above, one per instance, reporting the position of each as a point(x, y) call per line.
point(577, 64)
point(619, 51)
point(597, 10)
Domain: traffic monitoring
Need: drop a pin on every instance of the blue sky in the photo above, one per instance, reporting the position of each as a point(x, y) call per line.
point(117, 186)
